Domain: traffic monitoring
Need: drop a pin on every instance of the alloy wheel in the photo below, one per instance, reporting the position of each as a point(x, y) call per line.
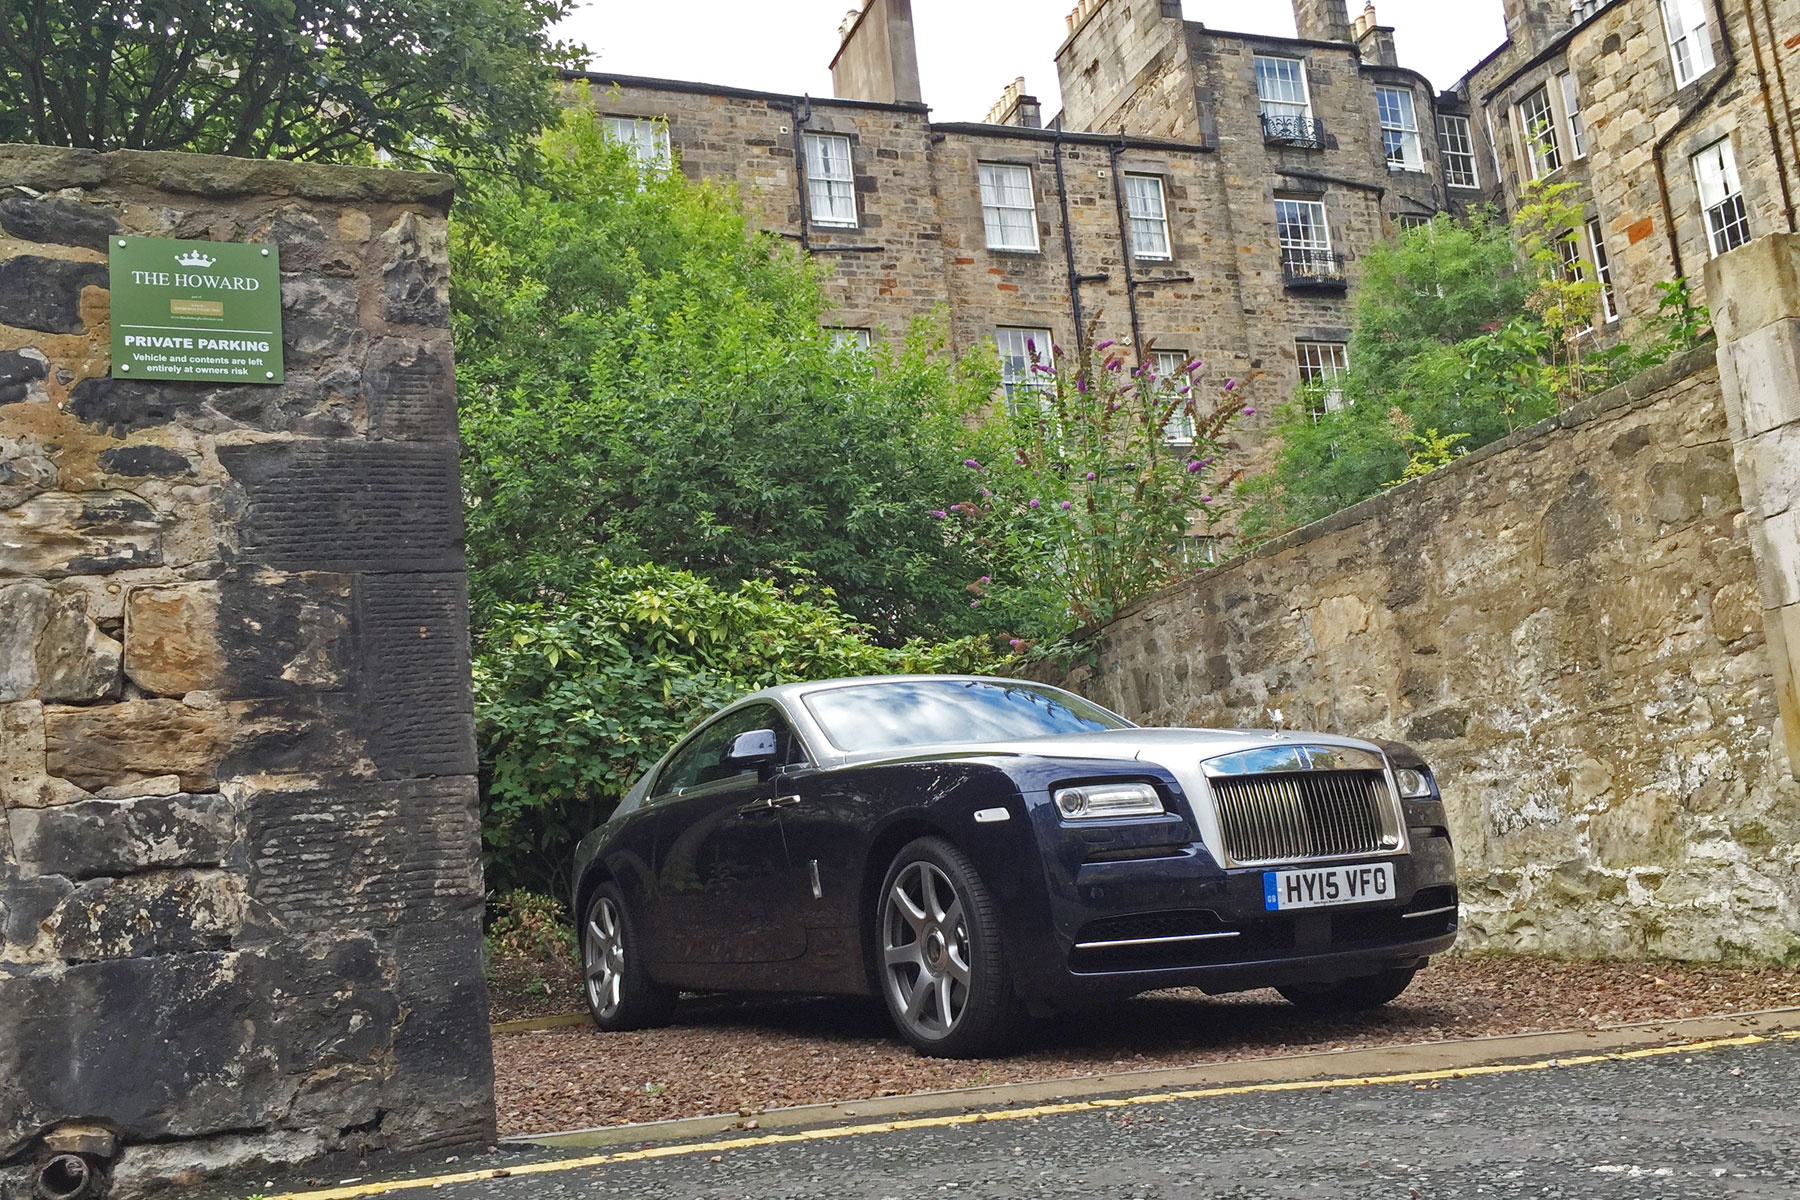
point(603, 956)
point(925, 949)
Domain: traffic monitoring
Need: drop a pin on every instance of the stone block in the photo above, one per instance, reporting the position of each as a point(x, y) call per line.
point(349, 506)
point(123, 407)
point(54, 534)
point(281, 634)
point(57, 221)
point(1782, 627)
point(45, 293)
point(172, 638)
point(138, 916)
point(1769, 466)
point(24, 472)
point(49, 650)
point(92, 838)
point(324, 403)
point(1704, 484)
point(1777, 543)
point(416, 279)
point(440, 1093)
point(23, 779)
point(118, 744)
point(1765, 364)
point(415, 638)
point(411, 389)
point(139, 461)
point(20, 372)
point(319, 320)
point(1755, 286)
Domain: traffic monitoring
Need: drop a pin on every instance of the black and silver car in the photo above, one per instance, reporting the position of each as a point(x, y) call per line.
point(974, 849)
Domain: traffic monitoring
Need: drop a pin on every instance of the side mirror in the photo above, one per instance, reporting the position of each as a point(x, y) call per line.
point(757, 748)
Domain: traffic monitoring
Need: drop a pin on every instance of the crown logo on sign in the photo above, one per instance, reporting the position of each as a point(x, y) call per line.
point(194, 258)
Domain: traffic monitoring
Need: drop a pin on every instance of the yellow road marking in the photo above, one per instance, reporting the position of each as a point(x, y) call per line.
point(352, 1191)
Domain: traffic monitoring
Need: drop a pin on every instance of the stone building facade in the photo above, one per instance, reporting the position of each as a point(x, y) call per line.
point(240, 875)
point(1675, 118)
point(1204, 193)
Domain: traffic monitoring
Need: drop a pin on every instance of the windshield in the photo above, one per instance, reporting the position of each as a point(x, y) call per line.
point(926, 712)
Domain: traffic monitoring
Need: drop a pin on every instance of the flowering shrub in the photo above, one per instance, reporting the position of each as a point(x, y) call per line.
point(1090, 503)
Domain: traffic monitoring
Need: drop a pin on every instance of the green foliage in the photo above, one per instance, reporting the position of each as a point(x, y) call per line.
point(1468, 332)
point(642, 376)
point(1082, 505)
point(576, 699)
point(301, 79)
point(529, 925)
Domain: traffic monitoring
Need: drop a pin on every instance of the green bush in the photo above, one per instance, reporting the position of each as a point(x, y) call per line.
point(575, 700)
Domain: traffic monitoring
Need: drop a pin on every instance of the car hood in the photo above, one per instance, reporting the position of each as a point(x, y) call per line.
point(1171, 748)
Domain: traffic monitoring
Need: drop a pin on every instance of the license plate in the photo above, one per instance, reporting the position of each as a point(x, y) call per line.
point(1319, 887)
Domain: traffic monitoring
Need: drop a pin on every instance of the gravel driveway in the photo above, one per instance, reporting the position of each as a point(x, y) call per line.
point(727, 1055)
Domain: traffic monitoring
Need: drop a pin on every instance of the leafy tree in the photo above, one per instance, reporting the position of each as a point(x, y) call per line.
point(575, 699)
point(296, 79)
point(643, 376)
point(1468, 331)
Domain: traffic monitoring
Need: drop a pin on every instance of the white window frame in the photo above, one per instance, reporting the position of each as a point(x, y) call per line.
point(1574, 270)
point(1609, 301)
point(1171, 377)
point(1571, 96)
point(1456, 146)
point(1278, 79)
point(850, 337)
point(831, 181)
point(1148, 211)
point(1721, 197)
point(646, 138)
point(1308, 217)
point(1537, 132)
point(1686, 24)
point(1016, 375)
point(1322, 362)
point(1399, 117)
point(1003, 187)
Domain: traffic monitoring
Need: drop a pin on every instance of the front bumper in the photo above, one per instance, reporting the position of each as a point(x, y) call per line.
point(1149, 911)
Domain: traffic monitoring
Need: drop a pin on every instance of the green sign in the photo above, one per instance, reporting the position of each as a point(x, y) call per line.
point(195, 310)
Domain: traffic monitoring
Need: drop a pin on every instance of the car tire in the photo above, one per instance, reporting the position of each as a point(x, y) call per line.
point(1349, 995)
point(620, 993)
point(938, 957)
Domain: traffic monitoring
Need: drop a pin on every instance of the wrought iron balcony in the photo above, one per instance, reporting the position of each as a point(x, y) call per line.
point(1305, 132)
point(1313, 269)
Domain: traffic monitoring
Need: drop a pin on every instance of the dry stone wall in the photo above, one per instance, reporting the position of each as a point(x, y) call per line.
point(1568, 625)
point(240, 886)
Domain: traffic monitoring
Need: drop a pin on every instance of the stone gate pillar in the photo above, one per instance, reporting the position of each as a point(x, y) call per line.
point(1755, 293)
point(240, 884)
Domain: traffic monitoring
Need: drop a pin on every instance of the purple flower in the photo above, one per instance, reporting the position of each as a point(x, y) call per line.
point(1081, 385)
point(1019, 458)
point(971, 464)
point(1066, 506)
point(1249, 412)
point(1035, 504)
point(974, 604)
point(1230, 383)
point(1108, 344)
point(1115, 364)
point(939, 513)
point(1090, 476)
point(1193, 366)
point(985, 579)
point(1056, 349)
point(1031, 345)
point(985, 493)
point(1194, 466)
point(1015, 643)
point(1206, 499)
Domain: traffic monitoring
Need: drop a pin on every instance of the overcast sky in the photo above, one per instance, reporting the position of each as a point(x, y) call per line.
point(969, 50)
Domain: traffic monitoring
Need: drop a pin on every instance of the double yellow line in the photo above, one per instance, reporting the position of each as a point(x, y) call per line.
point(685, 1149)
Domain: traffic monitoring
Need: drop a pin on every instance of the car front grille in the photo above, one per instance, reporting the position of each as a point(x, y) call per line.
point(1282, 817)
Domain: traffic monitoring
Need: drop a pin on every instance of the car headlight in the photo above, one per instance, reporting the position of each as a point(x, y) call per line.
point(1108, 800)
point(1414, 784)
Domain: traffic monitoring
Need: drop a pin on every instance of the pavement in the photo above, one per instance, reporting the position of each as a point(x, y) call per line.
point(1682, 1109)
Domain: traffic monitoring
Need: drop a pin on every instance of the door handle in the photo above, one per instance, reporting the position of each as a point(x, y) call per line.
point(769, 802)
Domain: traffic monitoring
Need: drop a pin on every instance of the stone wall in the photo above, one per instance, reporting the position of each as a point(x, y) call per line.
point(1567, 624)
point(240, 887)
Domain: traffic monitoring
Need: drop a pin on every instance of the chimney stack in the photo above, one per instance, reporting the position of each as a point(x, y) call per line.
point(1016, 108)
point(1375, 41)
point(1531, 24)
point(877, 59)
point(1322, 20)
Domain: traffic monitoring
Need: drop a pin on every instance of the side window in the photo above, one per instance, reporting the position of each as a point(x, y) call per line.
point(698, 762)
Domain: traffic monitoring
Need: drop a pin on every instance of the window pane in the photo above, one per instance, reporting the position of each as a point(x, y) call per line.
point(1609, 302)
point(1690, 38)
point(1572, 109)
point(1281, 86)
point(1149, 216)
point(1538, 132)
point(1173, 385)
point(1019, 349)
point(1458, 149)
point(1007, 208)
point(647, 140)
point(1300, 224)
point(830, 182)
point(1399, 129)
point(1321, 363)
